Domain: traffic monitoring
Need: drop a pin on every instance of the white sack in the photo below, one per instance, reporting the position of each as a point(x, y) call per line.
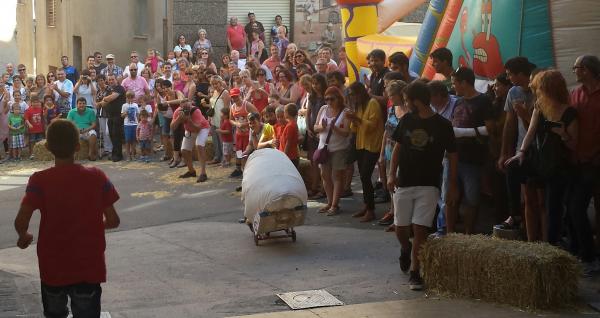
point(271, 183)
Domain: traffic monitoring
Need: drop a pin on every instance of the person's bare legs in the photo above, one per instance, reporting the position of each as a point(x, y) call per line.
point(420, 236)
point(326, 175)
point(201, 158)
point(187, 158)
point(403, 236)
point(168, 145)
point(338, 183)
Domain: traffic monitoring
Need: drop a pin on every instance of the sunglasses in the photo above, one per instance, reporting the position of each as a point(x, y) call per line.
point(133, 56)
point(133, 69)
point(203, 53)
point(21, 70)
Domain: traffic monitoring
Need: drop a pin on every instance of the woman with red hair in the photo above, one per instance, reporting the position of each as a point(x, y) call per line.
point(333, 129)
point(552, 134)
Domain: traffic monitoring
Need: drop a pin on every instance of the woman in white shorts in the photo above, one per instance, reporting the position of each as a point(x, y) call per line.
point(196, 133)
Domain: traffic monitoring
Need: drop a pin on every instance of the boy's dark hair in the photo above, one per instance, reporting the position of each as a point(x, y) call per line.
point(225, 111)
point(144, 113)
point(101, 77)
point(442, 54)
point(377, 54)
point(82, 99)
point(337, 75)
point(393, 76)
point(270, 110)
point(167, 84)
point(437, 88)
point(418, 90)
point(62, 138)
point(291, 110)
point(465, 74)
point(519, 64)
point(398, 58)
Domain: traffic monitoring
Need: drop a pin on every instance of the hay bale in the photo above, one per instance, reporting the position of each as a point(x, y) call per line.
point(304, 169)
point(40, 152)
point(527, 275)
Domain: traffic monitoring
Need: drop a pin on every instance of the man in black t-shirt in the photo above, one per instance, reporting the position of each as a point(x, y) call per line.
point(112, 106)
point(422, 137)
point(471, 120)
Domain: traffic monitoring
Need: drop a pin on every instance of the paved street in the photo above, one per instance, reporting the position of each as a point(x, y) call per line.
point(180, 253)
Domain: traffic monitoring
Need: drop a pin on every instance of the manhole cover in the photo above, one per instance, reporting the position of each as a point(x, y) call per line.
point(309, 299)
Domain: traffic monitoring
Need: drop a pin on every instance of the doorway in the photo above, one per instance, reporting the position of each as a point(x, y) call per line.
point(77, 52)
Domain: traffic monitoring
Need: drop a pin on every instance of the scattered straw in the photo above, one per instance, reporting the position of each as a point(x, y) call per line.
point(156, 194)
point(527, 275)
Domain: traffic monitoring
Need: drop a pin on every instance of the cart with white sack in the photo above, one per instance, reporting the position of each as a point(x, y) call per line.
point(274, 195)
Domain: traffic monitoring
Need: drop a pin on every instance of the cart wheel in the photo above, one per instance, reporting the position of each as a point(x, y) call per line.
point(256, 239)
point(293, 236)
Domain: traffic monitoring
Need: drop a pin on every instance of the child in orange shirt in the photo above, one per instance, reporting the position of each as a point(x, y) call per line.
point(289, 136)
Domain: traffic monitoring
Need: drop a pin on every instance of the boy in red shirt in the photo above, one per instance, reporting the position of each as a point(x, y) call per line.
point(35, 122)
point(71, 239)
point(289, 136)
point(280, 123)
point(226, 132)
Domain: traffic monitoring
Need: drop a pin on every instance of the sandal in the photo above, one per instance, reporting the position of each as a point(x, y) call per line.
point(324, 209)
point(174, 163)
point(334, 210)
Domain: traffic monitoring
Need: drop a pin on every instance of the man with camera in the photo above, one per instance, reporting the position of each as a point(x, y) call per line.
point(196, 132)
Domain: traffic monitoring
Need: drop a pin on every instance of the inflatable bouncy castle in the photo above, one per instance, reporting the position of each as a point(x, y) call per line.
point(483, 34)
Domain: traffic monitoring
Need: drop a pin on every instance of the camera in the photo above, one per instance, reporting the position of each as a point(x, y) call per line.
point(186, 111)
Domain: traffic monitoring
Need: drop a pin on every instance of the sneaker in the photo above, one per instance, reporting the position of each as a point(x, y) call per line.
point(384, 197)
point(236, 173)
point(415, 282)
point(436, 235)
point(387, 219)
point(405, 258)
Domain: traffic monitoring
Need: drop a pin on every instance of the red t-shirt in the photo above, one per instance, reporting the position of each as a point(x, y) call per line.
point(236, 36)
point(588, 118)
point(278, 130)
point(35, 117)
point(289, 136)
point(71, 239)
point(226, 125)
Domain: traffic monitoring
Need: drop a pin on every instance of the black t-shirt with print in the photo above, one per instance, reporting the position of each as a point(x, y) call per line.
point(113, 109)
point(471, 113)
point(423, 142)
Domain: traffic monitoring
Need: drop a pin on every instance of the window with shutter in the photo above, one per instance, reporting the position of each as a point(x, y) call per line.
point(51, 13)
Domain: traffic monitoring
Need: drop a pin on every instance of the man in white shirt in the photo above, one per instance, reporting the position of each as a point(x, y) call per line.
point(167, 72)
point(64, 88)
point(135, 58)
point(235, 58)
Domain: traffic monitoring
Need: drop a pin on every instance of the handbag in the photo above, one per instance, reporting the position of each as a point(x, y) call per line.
point(321, 156)
point(211, 110)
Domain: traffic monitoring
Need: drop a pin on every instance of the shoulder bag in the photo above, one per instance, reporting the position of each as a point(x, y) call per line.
point(321, 156)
